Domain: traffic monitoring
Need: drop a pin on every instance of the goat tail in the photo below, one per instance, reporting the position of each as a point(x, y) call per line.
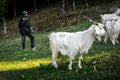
point(51, 35)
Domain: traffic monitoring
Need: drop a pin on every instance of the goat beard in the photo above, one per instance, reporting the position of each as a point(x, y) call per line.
point(98, 38)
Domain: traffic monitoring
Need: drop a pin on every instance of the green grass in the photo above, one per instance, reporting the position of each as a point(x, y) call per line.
point(16, 64)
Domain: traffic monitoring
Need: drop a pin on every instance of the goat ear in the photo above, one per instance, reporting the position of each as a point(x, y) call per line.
point(101, 15)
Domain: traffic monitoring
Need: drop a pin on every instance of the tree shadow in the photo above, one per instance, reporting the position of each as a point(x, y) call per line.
point(48, 72)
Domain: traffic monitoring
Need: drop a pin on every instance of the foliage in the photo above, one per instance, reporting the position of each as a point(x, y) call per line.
point(2, 7)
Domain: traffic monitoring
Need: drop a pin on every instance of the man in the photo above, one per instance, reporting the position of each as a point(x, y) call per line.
point(24, 29)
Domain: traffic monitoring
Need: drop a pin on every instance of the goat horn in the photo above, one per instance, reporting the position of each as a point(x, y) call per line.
point(91, 21)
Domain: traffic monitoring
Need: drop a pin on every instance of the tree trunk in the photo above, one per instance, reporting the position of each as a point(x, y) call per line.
point(86, 3)
point(74, 5)
point(35, 6)
point(48, 1)
point(14, 8)
point(63, 6)
point(4, 25)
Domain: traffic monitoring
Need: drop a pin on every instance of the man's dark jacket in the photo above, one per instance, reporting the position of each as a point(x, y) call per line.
point(24, 26)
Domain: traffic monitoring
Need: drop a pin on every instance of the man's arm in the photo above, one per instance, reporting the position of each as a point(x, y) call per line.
point(22, 25)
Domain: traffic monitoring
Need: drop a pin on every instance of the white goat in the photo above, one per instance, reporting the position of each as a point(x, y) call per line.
point(108, 17)
point(112, 31)
point(71, 44)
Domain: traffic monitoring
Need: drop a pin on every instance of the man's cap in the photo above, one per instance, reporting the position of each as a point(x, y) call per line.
point(24, 12)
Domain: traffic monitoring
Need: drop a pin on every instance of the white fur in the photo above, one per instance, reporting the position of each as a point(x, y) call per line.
point(112, 31)
point(108, 17)
point(71, 44)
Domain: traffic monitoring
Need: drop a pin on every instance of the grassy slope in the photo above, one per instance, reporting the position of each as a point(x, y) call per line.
point(16, 64)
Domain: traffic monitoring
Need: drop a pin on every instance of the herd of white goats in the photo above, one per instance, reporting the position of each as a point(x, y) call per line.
point(78, 43)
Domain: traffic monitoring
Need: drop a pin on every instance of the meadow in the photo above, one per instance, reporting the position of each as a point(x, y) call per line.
point(16, 64)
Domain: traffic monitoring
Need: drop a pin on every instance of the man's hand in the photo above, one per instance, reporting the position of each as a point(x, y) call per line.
point(26, 29)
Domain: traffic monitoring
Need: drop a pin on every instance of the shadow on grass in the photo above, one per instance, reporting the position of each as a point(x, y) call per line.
point(47, 72)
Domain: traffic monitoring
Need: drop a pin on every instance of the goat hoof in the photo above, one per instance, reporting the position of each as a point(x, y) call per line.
point(69, 69)
point(56, 67)
point(77, 70)
point(80, 67)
